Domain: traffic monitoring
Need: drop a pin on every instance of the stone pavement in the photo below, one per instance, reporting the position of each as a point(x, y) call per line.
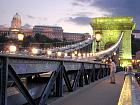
point(100, 92)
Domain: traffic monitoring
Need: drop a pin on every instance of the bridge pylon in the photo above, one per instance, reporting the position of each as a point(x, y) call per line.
point(110, 29)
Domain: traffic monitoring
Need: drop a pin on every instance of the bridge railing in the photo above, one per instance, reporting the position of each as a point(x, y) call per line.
point(130, 94)
point(69, 73)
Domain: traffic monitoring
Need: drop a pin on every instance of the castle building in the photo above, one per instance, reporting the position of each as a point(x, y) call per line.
point(52, 32)
point(11, 32)
point(16, 22)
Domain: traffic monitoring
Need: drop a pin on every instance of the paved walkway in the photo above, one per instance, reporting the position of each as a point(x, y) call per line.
point(100, 92)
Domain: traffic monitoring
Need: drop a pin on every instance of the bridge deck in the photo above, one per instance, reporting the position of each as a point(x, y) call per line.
point(98, 93)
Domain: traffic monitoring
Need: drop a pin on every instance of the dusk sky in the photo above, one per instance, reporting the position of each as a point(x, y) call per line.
point(71, 15)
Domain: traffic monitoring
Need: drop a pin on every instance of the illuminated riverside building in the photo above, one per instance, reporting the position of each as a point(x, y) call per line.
point(16, 22)
point(55, 32)
point(76, 36)
point(12, 31)
point(52, 32)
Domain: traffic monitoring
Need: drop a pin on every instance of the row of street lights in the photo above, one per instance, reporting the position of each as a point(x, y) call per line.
point(20, 36)
point(49, 53)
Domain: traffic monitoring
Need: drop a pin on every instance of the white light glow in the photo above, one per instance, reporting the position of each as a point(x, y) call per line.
point(59, 54)
point(49, 52)
point(34, 50)
point(12, 48)
point(20, 36)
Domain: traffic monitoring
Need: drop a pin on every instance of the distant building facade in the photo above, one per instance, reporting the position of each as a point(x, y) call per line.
point(55, 32)
point(52, 32)
point(75, 36)
point(12, 31)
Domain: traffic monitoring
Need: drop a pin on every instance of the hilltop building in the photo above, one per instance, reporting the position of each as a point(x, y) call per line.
point(52, 32)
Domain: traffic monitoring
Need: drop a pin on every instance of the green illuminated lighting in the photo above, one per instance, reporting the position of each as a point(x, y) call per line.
point(110, 27)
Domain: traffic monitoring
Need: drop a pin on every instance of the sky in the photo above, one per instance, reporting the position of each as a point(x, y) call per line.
point(71, 15)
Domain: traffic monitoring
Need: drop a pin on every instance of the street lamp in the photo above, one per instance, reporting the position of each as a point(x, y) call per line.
point(49, 52)
point(59, 54)
point(20, 36)
point(12, 48)
point(34, 50)
point(98, 39)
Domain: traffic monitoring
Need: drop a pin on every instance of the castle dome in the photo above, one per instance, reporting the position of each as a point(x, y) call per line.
point(16, 22)
point(17, 16)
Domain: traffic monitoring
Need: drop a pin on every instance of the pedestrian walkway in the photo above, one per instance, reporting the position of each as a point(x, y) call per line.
point(100, 92)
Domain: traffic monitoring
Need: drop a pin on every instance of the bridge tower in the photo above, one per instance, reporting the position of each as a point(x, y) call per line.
point(110, 29)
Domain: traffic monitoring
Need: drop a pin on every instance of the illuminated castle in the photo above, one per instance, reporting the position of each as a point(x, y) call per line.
point(16, 22)
point(52, 32)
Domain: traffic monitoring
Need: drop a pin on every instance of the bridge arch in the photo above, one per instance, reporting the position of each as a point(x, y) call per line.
point(110, 29)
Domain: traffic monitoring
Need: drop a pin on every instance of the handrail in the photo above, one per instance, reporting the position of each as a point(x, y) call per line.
point(130, 94)
point(126, 93)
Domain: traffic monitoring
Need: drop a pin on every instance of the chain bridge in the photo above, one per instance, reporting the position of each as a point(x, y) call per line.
point(38, 76)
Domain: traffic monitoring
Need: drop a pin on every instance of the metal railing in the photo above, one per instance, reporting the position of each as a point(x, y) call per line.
point(130, 94)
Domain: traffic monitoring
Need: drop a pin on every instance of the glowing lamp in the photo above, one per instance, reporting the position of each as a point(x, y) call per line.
point(75, 52)
point(98, 36)
point(15, 30)
point(20, 36)
point(59, 54)
point(87, 54)
point(79, 54)
point(114, 53)
point(12, 48)
point(34, 50)
point(49, 52)
point(84, 55)
point(65, 54)
point(73, 55)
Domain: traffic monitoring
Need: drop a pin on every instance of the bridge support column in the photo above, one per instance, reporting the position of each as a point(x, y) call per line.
point(81, 82)
point(49, 86)
point(77, 78)
point(92, 74)
point(59, 83)
point(3, 80)
point(67, 81)
point(20, 86)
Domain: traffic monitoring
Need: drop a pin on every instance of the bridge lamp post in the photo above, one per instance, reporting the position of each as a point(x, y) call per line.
point(49, 52)
point(88, 54)
point(75, 52)
point(59, 54)
point(98, 39)
point(84, 55)
point(65, 54)
point(12, 48)
point(34, 51)
point(73, 55)
point(20, 39)
point(79, 55)
point(20, 36)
